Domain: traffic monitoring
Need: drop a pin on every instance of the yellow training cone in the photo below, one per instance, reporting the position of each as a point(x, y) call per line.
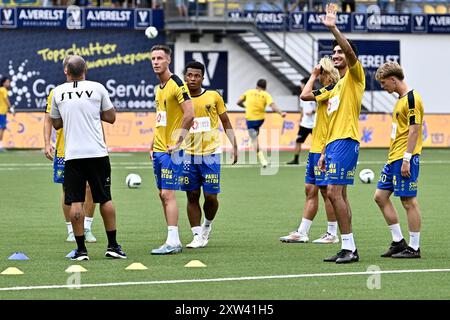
point(195, 264)
point(75, 268)
point(136, 266)
point(12, 271)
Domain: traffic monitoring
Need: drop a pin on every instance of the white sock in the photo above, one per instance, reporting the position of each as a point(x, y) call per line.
point(414, 239)
point(172, 236)
point(196, 230)
point(396, 232)
point(88, 222)
point(207, 223)
point(348, 242)
point(1, 144)
point(69, 227)
point(332, 228)
point(304, 226)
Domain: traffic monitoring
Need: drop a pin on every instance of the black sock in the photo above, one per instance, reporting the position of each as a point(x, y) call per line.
point(112, 243)
point(296, 158)
point(80, 243)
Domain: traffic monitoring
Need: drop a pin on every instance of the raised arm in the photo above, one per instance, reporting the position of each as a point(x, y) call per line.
point(307, 92)
point(330, 22)
point(230, 134)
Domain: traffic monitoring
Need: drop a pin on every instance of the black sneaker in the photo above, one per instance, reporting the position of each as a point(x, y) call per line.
point(115, 252)
point(408, 253)
point(395, 247)
point(80, 255)
point(348, 256)
point(336, 256)
point(293, 162)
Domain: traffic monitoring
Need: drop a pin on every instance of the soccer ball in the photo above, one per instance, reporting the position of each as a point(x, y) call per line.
point(366, 176)
point(133, 181)
point(151, 32)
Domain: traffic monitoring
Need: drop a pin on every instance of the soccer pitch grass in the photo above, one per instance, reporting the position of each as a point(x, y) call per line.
point(255, 210)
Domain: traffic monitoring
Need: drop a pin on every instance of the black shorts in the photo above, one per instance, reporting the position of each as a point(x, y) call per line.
point(302, 134)
point(96, 171)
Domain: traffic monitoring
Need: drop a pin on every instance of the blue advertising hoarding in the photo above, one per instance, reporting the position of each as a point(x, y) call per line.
point(74, 17)
point(121, 63)
point(347, 22)
point(371, 53)
point(216, 69)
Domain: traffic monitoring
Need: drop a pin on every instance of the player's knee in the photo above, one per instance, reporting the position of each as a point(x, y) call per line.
point(193, 196)
point(211, 198)
point(378, 199)
point(310, 191)
point(408, 202)
point(334, 194)
point(166, 195)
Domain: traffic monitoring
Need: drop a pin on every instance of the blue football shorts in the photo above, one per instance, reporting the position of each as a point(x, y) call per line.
point(341, 157)
point(391, 178)
point(201, 171)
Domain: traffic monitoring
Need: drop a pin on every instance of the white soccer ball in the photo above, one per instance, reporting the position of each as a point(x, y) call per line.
point(366, 176)
point(151, 32)
point(133, 181)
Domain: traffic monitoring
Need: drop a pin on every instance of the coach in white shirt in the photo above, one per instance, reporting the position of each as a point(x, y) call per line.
point(307, 120)
point(79, 106)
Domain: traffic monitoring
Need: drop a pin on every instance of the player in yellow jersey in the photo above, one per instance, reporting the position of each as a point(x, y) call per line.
point(401, 172)
point(174, 116)
point(254, 102)
point(342, 143)
point(57, 156)
point(5, 105)
point(314, 178)
point(201, 165)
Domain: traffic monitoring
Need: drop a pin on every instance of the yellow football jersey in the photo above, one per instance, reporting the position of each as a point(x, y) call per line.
point(169, 114)
point(255, 103)
point(407, 111)
point(3, 100)
point(344, 104)
point(204, 136)
point(59, 133)
point(320, 130)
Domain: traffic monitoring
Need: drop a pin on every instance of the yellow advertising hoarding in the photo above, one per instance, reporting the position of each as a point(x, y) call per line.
point(133, 131)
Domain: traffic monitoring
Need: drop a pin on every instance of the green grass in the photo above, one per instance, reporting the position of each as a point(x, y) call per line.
point(255, 210)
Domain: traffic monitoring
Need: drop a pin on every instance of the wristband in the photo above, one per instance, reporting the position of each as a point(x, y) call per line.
point(407, 156)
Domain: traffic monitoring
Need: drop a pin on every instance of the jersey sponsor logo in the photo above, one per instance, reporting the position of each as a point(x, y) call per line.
point(161, 119)
point(201, 124)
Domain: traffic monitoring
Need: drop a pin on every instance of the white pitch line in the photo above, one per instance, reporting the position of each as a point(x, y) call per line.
point(291, 276)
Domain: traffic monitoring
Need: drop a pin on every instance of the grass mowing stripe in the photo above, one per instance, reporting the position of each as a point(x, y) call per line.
point(289, 276)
